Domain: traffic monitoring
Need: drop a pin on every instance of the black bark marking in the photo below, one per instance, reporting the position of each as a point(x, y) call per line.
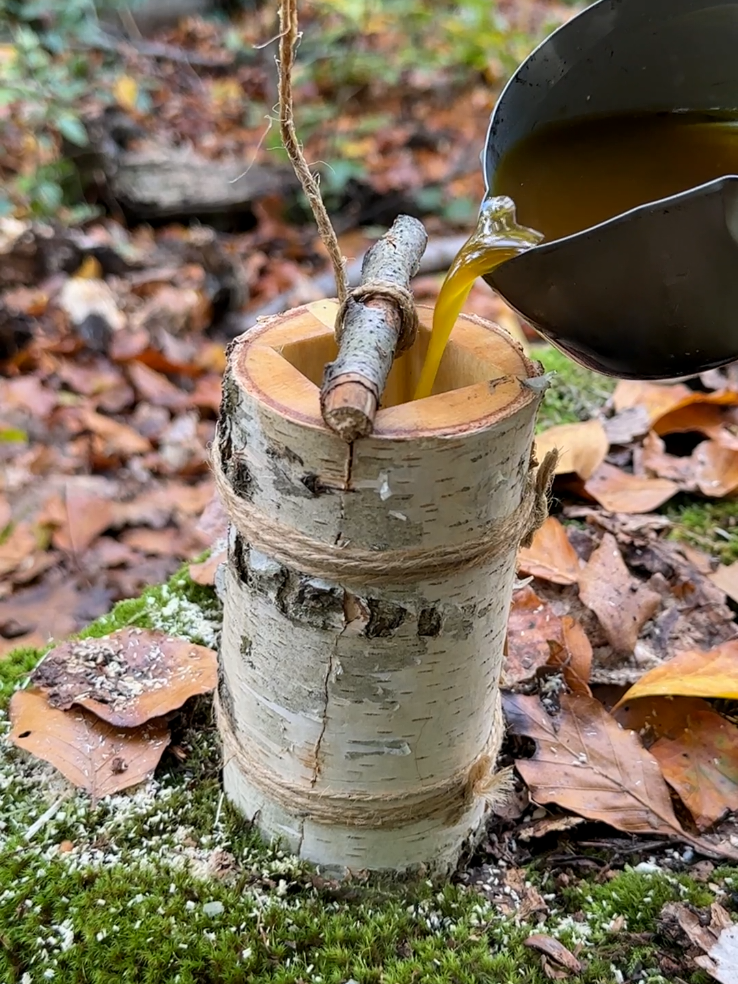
point(429, 622)
point(277, 451)
point(226, 697)
point(307, 601)
point(384, 619)
point(240, 558)
point(240, 477)
point(246, 647)
point(313, 484)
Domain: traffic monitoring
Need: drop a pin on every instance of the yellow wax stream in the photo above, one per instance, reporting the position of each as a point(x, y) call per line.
point(496, 239)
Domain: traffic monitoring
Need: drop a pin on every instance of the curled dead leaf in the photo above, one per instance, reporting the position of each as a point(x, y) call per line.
point(555, 950)
point(531, 625)
point(716, 469)
point(573, 655)
point(92, 754)
point(585, 762)
point(694, 673)
point(622, 604)
point(126, 678)
point(550, 556)
point(582, 447)
point(619, 492)
point(701, 765)
point(657, 399)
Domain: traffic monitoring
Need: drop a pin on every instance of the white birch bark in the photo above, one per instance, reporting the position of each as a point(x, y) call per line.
point(337, 688)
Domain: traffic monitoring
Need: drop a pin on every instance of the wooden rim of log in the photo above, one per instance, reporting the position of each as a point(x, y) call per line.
point(484, 354)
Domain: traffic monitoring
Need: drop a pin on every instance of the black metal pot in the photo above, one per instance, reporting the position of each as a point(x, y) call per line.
point(651, 293)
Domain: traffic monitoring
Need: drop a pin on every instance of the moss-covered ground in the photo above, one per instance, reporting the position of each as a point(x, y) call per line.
point(574, 394)
point(164, 885)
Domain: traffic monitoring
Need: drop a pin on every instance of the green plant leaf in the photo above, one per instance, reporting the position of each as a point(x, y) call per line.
point(12, 435)
point(72, 129)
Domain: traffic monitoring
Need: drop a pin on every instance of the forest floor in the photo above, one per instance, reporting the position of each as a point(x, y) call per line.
point(166, 884)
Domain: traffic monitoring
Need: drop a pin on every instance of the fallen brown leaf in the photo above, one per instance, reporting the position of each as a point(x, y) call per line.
point(698, 418)
point(657, 399)
point(622, 604)
point(207, 393)
point(87, 516)
point(115, 439)
point(546, 826)
point(653, 458)
point(52, 609)
point(92, 754)
point(126, 678)
point(17, 548)
point(726, 578)
point(721, 960)
point(694, 673)
point(582, 447)
point(28, 394)
point(554, 950)
point(715, 469)
point(627, 425)
point(5, 513)
point(531, 625)
point(550, 556)
point(619, 492)
point(586, 763)
point(675, 408)
point(714, 934)
point(701, 764)
point(155, 388)
point(204, 572)
point(168, 542)
point(573, 655)
point(658, 717)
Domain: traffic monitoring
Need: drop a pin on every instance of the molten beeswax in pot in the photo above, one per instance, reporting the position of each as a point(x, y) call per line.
point(569, 177)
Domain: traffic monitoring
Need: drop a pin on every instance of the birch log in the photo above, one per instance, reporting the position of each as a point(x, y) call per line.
point(359, 705)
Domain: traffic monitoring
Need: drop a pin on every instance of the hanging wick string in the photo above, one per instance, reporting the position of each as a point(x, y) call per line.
point(288, 39)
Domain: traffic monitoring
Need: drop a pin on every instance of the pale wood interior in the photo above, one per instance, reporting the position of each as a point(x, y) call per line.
point(460, 365)
point(286, 359)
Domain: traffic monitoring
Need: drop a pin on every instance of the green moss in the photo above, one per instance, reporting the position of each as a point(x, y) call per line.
point(709, 525)
point(575, 393)
point(167, 885)
point(637, 894)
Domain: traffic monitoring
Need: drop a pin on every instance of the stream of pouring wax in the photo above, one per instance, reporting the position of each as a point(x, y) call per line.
point(565, 178)
point(496, 238)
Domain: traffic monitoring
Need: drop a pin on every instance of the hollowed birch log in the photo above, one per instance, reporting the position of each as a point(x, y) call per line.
point(360, 717)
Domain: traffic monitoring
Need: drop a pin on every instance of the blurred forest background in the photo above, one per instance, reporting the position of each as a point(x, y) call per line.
point(148, 214)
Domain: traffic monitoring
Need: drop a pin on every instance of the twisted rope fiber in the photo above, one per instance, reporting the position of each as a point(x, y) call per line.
point(448, 797)
point(330, 562)
point(386, 290)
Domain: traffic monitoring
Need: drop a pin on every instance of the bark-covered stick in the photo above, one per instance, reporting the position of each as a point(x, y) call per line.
point(378, 320)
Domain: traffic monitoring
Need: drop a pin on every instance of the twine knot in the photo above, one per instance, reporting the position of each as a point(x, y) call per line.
point(385, 290)
point(542, 483)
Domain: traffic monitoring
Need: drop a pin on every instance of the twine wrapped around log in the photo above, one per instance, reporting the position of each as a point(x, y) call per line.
point(369, 567)
point(448, 798)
